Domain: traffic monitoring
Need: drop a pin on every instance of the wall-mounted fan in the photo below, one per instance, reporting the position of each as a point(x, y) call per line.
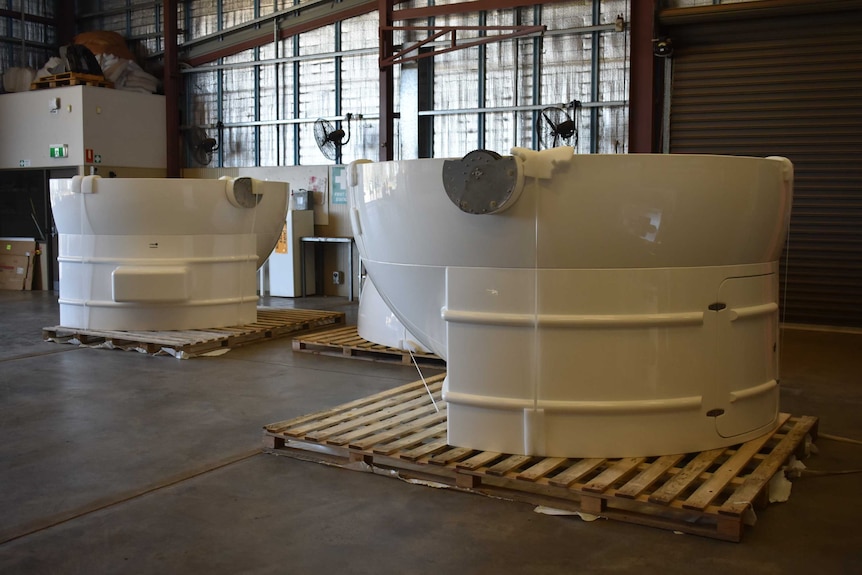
point(201, 145)
point(330, 139)
point(556, 127)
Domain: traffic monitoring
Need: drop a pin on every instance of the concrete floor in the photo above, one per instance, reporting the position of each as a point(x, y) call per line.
point(119, 462)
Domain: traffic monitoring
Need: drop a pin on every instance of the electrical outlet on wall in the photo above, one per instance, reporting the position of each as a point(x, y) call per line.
point(337, 278)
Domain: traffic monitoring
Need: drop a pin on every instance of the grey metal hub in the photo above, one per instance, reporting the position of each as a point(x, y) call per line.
point(482, 182)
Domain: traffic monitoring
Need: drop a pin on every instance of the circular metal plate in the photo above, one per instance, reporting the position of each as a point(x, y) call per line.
point(482, 182)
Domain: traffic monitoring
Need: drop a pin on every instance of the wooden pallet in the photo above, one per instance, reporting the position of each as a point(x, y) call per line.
point(345, 341)
point(399, 433)
point(271, 324)
point(70, 79)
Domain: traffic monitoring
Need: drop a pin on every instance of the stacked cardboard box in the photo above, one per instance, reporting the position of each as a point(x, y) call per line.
point(17, 260)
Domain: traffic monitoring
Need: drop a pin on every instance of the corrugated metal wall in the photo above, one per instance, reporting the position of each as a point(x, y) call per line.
point(787, 85)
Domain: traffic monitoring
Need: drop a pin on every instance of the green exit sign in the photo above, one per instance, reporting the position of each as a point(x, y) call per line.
point(59, 151)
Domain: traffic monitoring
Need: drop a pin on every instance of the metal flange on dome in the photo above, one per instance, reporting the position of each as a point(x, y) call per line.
point(241, 192)
point(483, 182)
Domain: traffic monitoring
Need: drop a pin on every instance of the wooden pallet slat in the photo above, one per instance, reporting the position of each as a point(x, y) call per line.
point(577, 471)
point(70, 79)
point(405, 412)
point(341, 420)
point(648, 476)
point(400, 430)
point(346, 342)
point(425, 450)
point(509, 465)
point(614, 473)
point(344, 336)
point(283, 426)
point(689, 474)
point(361, 417)
point(435, 431)
point(712, 487)
point(396, 432)
point(740, 500)
point(542, 468)
point(481, 459)
point(190, 343)
point(452, 455)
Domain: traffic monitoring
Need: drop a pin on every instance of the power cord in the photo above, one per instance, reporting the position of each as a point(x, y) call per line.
point(821, 472)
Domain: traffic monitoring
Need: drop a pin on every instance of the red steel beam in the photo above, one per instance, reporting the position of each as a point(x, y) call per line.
point(642, 83)
point(266, 37)
point(387, 82)
point(337, 14)
point(462, 7)
point(16, 15)
point(171, 81)
point(399, 58)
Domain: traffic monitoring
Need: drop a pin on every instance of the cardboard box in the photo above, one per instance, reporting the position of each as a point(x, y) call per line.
point(40, 268)
point(17, 258)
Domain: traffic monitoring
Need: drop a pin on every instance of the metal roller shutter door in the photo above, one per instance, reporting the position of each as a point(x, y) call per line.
point(788, 86)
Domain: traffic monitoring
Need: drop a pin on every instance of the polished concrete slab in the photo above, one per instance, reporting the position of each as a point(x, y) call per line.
point(116, 461)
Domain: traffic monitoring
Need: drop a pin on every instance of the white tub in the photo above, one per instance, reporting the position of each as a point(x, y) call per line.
point(603, 306)
point(376, 323)
point(163, 254)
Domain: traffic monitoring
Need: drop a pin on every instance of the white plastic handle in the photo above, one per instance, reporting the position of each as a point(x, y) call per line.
point(353, 173)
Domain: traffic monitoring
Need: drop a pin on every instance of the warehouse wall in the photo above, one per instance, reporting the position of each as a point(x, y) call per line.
point(513, 79)
point(267, 98)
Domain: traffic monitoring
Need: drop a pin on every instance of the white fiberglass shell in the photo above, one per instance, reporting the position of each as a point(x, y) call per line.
point(619, 305)
point(376, 323)
point(163, 254)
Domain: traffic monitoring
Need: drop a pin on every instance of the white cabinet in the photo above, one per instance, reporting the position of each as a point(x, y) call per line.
point(81, 126)
point(284, 262)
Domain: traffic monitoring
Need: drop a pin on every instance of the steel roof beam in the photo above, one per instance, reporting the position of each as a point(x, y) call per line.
point(312, 15)
point(258, 32)
point(463, 7)
point(17, 15)
point(505, 33)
